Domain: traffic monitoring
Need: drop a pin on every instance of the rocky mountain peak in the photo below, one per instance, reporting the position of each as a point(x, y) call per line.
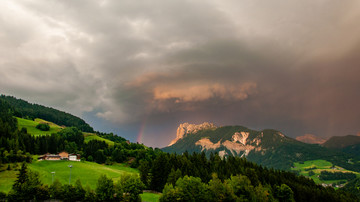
point(187, 128)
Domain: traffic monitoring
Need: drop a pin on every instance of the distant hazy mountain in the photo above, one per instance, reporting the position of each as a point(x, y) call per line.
point(267, 147)
point(310, 139)
point(339, 142)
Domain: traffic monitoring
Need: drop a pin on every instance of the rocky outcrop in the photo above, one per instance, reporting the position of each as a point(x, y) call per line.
point(187, 128)
point(205, 143)
point(236, 148)
point(240, 137)
point(222, 153)
point(239, 143)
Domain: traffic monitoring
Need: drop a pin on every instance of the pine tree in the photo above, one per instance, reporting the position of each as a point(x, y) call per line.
point(21, 178)
point(174, 176)
point(144, 169)
point(159, 171)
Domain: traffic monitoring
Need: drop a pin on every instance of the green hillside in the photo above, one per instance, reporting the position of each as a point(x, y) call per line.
point(25, 109)
point(30, 125)
point(93, 136)
point(87, 172)
point(7, 178)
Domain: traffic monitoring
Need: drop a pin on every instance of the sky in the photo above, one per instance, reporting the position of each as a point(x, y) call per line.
point(140, 68)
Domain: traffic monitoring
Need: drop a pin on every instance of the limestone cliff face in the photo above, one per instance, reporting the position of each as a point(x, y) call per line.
point(239, 143)
point(187, 128)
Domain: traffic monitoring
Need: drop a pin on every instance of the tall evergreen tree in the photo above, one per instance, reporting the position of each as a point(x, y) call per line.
point(159, 171)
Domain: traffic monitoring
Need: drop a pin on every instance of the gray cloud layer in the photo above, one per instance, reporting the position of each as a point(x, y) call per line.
point(289, 65)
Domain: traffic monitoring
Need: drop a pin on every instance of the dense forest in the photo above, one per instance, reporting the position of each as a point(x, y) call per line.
point(185, 177)
point(24, 109)
point(353, 187)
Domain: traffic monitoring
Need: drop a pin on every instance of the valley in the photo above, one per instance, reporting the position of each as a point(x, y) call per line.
point(199, 101)
point(264, 162)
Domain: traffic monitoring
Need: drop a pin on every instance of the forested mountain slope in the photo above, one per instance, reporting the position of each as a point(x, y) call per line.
point(268, 147)
point(339, 142)
point(25, 109)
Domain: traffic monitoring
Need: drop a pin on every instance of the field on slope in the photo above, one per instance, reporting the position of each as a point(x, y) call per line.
point(87, 172)
point(93, 136)
point(30, 125)
point(317, 166)
point(7, 178)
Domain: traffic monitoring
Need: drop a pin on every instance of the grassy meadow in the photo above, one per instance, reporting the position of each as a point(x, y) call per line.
point(87, 172)
point(7, 177)
point(317, 166)
point(150, 197)
point(30, 125)
point(93, 136)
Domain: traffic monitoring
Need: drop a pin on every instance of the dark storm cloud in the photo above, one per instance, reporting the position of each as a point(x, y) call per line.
point(289, 65)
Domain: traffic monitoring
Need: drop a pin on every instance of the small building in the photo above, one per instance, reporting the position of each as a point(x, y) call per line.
point(74, 157)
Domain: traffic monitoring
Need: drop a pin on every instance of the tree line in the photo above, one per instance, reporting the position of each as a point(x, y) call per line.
point(325, 175)
point(236, 178)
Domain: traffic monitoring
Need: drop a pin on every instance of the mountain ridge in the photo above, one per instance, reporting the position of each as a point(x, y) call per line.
point(267, 147)
point(339, 142)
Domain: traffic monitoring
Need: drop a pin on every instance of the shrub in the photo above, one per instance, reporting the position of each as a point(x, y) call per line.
point(43, 127)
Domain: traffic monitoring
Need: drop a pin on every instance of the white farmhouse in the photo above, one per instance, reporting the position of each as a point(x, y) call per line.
point(74, 157)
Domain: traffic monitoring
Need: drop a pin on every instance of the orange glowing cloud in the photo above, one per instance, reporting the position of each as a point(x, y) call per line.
point(202, 92)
